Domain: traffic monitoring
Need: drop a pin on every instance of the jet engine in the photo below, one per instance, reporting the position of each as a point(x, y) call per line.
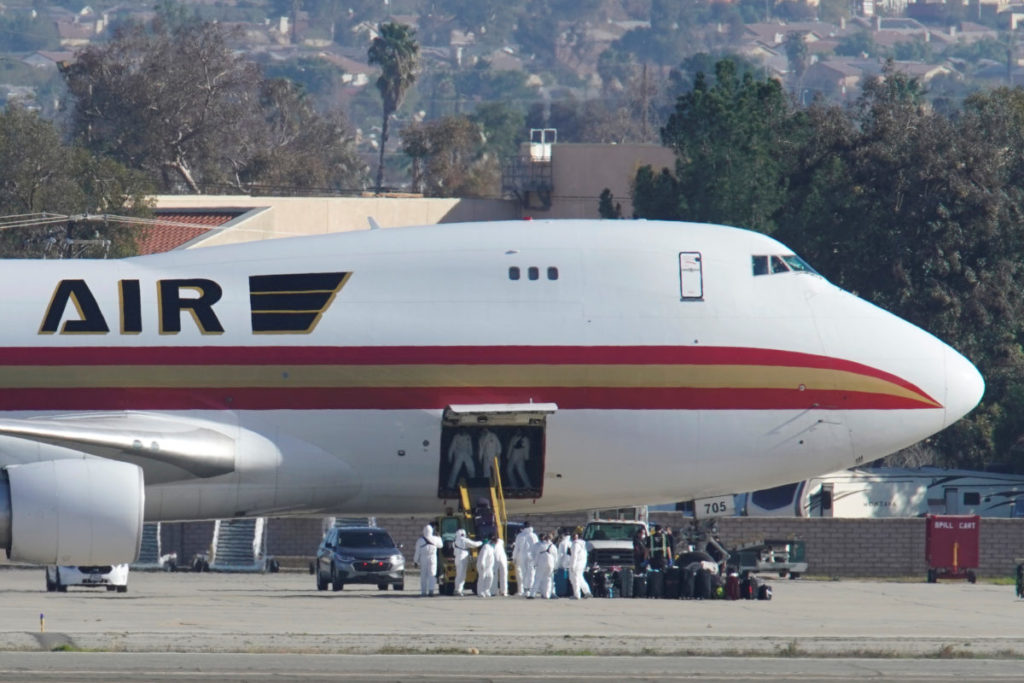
point(85, 511)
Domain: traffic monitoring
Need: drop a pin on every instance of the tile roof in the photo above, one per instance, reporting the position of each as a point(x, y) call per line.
point(176, 231)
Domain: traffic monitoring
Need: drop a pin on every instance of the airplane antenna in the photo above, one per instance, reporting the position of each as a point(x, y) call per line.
point(374, 225)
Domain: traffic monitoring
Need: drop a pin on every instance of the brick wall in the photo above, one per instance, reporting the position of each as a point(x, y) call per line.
point(835, 547)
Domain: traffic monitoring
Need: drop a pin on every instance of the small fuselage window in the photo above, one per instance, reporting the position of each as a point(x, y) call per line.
point(780, 263)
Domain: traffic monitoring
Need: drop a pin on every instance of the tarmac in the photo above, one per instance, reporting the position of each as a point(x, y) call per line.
point(186, 626)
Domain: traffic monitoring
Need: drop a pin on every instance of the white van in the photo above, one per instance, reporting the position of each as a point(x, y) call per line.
point(115, 577)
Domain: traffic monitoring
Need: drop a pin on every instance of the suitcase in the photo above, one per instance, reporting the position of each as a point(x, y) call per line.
point(626, 582)
point(702, 587)
point(639, 586)
point(764, 592)
point(597, 580)
point(732, 587)
point(656, 584)
point(562, 587)
point(672, 583)
point(748, 588)
point(688, 581)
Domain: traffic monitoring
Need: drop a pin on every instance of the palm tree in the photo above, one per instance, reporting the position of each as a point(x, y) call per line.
point(395, 51)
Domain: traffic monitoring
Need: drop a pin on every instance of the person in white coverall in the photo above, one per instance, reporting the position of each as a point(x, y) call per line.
point(518, 454)
point(485, 569)
point(489, 451)
point(463, 544)
point(460, 457)
point(521, 555)
point(425, 558)
point(545, 555)
point(577, 565)
point(500, 567)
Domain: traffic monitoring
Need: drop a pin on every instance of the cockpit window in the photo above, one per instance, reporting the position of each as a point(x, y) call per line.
point(760, 265)
point(781, 263)
point(797, 264)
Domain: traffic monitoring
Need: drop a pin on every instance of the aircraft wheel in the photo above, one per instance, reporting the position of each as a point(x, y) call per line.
point(321, 582)
point(399, 586)
point(122, 589)
point(382, 586)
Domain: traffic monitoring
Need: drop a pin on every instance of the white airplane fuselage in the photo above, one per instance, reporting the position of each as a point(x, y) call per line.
point(675, 376)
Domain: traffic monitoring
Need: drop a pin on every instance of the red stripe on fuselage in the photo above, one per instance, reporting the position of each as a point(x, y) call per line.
point(567, 398)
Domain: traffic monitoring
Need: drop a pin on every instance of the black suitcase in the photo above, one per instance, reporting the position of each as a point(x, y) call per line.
point(702, 587)
point(656, 584)
point(598, 582)
point(748, 587)
point(672, 583)
point(639, 586)
point(764, 592)
point(688, 581)
point(626, 583)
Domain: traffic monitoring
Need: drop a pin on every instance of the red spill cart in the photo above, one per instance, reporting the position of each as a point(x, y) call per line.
point(951, 546)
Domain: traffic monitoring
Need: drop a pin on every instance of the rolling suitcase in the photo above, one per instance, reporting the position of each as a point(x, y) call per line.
point(562, 587)
point(639, 586)
point(626, 582)
point(672, 577)
point(656, 584)
point(732, 587)
point(688, 581)
point(702, 587)
point(598, 583)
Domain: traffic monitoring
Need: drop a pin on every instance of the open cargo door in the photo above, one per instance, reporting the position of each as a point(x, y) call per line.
point(474, 437)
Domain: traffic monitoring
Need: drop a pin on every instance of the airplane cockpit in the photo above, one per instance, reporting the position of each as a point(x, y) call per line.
point(764, 264)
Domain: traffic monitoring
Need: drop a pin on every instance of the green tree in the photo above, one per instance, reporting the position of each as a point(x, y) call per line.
point(731, 141)
point(503, 127)
point(57, 178)
point(396, 52)
point(449, 160)
point(607, 207)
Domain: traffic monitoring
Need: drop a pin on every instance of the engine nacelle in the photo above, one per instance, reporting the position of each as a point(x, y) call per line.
point(72, 512)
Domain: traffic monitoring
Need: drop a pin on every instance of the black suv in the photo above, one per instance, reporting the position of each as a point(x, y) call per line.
point(362, 554)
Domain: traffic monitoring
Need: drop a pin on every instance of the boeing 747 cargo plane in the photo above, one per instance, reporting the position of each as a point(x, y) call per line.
point(594, 363)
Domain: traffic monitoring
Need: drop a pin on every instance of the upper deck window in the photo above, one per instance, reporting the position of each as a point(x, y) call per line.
point(781, 263)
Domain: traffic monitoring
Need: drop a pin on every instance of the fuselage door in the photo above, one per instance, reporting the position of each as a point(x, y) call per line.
point(476, 437)
point(691, 276)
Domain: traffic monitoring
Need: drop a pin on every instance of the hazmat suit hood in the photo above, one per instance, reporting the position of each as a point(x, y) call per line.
point(428, 531)
point(461, 533)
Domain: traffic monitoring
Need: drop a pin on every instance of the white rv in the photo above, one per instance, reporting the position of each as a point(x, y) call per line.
point(891, 492)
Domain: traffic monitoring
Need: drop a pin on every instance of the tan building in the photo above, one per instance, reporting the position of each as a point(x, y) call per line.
point(559, 181)
point(566, 180)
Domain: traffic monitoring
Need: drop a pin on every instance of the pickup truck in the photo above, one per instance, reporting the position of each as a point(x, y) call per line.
point(610, 541)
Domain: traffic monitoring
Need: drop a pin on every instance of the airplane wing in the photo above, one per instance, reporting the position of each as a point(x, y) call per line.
point(166, 448)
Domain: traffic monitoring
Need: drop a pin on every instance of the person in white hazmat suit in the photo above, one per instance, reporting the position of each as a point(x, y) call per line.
point(564, 558)
point(500, 567)
point(462, 545)
point(485, 570)
point(545, 556)
point(460, 457)
point(577, 565)
point(425, 558)
point(522, 556)
point(490, 452)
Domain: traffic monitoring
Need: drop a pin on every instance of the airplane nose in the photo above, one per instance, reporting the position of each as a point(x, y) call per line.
point(964, 386)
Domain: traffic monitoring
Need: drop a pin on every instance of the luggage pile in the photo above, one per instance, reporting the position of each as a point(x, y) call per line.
point(690, 582)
